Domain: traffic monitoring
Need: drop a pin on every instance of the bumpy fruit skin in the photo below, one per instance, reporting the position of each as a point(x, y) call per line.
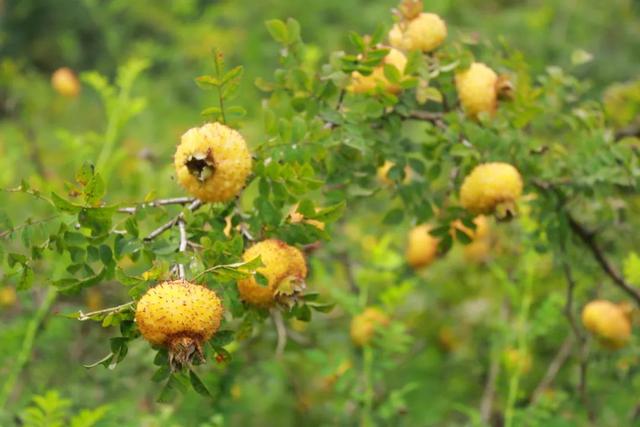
point(367, 84)
point(365, 324)
point(285, 269)
point(608, 322)
point(490, 186)
point(65, 82)
point(180, 316)
point(426, 32)
point(422, 247)
point(477, 89)
point(212, 162)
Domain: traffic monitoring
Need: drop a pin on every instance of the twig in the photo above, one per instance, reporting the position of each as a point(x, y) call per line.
point(281, 330)
point(27, 345)
point(488, 395)
point(157, 203)
point(588, 238)
point(554, 367)
point(183, 244)
point(629, 131)
point(8, 232)
point(195, 205)
point(117, 309)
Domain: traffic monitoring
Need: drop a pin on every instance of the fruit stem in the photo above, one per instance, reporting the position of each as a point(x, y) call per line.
point(27, 345)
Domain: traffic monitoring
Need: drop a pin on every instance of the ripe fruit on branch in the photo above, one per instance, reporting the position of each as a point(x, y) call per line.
point(212, 162)
point(492, 188)
point(8, 296)
point(424, 32)
point(609, 322)
point(65, 82)
point(367, 84)
point(477, 89)
point(422, 247)
point(284, 268)
point(365, 324)
point(179, 316)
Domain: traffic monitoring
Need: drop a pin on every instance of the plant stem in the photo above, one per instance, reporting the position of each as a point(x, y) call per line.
point(367, 405)
point(27, 345)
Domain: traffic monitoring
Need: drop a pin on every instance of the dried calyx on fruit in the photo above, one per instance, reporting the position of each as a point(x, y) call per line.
point(284, 269)
point(180, 316)
point(492, 188)
point(212, 162)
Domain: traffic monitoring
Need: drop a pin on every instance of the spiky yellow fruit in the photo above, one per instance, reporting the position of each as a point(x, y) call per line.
point(212, 162)
point(608, 321)
point(65, 82)
point(365, 324)
point(492, 187)
point(477, 89)
point(516, 360)
point(284, 268)
point(425, 32)
point(367, 84)
point(422, 247)
point(180, 316)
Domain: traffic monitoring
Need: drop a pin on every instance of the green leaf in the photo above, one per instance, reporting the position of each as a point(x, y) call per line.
point(394, 216)
point(207, 82)
point(222, 338)
point(278, 30)
point(94, 190)
point(64, 205)
point(85, 173)
point(198, 385)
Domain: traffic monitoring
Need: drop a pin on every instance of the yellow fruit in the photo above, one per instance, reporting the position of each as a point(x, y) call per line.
point(517, 360)
point(608, 321)
point(477, 89)
point(425, 32)
point(8, 296)
point(365, 324)
point(180, 316)
point(422, 247)
point(367, 84)
point(296, 218)
point(479, 248)
point(491, 187)
point(212, 162)
point(65, 82)
point(285, 269)
point(383, 171)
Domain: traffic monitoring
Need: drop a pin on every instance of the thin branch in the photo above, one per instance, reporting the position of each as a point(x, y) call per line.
point(632, 130)
point(157, 203)
point(183, 244)
point(195, 205)
point(281, 330)
point(489, 393)
point(554, 367)
point(588, 238)
point(117, 309)
point(8, 232)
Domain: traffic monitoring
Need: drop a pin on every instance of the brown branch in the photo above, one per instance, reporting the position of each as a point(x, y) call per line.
point(588, 238)
point(486, 405)
point(554, 367)
point(183, 244)
point(632, 130)
point(281, 331)
point(195, 205)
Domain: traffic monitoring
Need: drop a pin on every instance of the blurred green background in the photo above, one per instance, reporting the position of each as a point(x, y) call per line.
point(174, 38)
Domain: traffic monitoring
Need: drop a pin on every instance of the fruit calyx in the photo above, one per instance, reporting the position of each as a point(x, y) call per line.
point(201, 165)
point(184, 350)
point(289, 291)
